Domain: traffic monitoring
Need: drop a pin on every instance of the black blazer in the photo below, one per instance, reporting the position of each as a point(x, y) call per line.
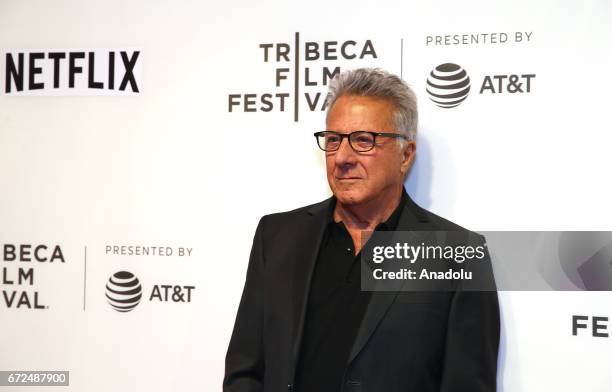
point(437, 341)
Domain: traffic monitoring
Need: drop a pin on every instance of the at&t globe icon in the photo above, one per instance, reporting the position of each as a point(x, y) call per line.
point(448, 85)
point(123, 291)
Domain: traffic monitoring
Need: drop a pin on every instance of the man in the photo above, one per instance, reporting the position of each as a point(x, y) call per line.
point(304, 324)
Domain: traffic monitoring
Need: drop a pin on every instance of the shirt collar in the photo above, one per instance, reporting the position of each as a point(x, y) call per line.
point(389, 225)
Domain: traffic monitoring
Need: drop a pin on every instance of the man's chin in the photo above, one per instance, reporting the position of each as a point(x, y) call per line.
point(349, 198)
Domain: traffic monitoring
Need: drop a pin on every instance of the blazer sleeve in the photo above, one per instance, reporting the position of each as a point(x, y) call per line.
point(244, 362)
point(472, 340)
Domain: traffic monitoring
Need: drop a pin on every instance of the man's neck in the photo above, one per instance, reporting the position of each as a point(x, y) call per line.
point(368, 215)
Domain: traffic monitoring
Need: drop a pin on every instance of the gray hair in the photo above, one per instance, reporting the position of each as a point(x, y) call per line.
point(378, 83)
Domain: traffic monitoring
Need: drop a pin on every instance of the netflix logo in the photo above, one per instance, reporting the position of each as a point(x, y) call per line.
point(72, 72)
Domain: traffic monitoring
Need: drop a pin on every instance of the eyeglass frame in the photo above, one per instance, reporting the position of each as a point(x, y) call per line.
point(348, 136)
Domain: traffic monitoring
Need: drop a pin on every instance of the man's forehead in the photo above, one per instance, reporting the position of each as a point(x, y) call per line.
point(351, 112)
point(366, 100)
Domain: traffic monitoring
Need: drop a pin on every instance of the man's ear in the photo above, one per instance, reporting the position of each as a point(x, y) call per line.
point(407, 156)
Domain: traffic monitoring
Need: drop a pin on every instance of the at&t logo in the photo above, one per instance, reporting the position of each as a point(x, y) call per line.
point(448, 85)
point(123, 291)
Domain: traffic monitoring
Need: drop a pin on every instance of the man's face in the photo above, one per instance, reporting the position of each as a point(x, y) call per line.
point(359, 177)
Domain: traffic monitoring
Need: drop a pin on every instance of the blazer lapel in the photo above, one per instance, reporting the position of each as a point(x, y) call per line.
point(309, 243)
point(412, 219)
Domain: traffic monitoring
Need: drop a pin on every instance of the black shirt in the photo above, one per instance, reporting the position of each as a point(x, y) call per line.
point(335, 307)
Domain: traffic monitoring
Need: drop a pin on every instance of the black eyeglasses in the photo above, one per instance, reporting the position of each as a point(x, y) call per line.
point(360, 141)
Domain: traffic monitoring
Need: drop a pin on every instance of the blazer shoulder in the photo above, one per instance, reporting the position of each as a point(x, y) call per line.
point(442, 223)
point(285, 217)
point(437, 222)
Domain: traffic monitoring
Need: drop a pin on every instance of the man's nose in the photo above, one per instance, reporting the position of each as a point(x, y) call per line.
point(345, 155)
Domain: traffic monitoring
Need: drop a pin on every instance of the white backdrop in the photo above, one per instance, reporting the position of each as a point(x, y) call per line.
point(171, 166)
